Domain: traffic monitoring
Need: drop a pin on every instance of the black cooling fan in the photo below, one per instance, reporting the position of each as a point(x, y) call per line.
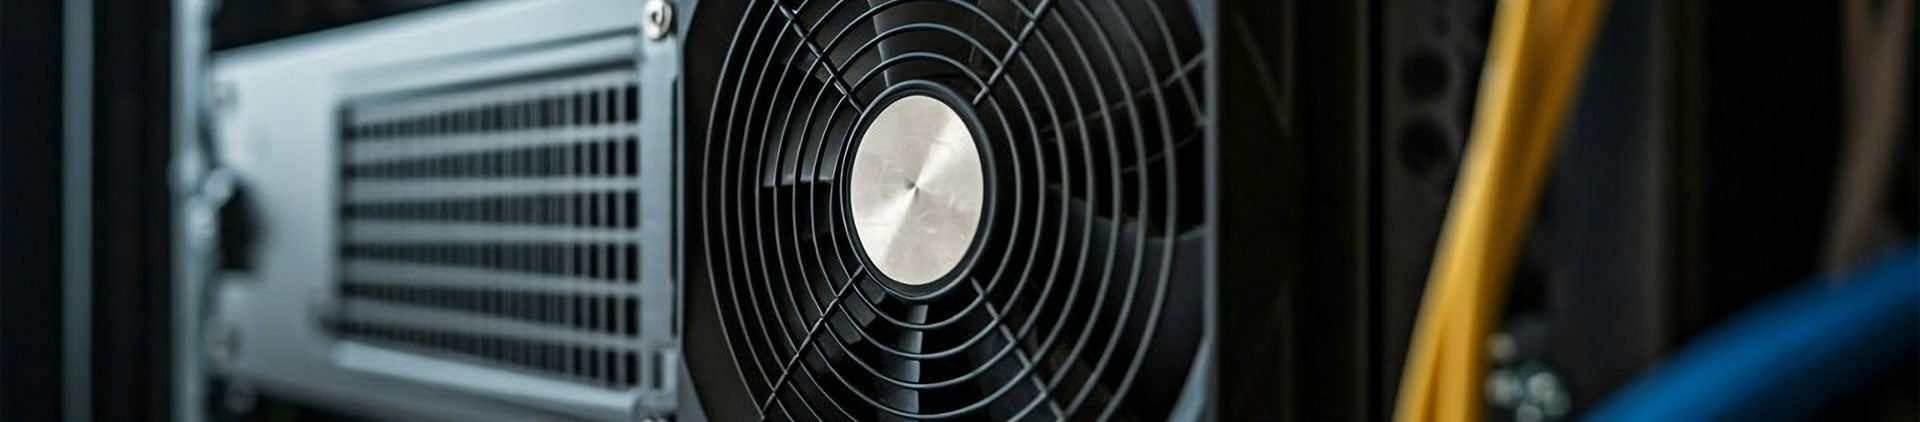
point(928, 209)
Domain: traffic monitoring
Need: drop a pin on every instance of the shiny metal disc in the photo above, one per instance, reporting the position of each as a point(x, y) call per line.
point(916, 190)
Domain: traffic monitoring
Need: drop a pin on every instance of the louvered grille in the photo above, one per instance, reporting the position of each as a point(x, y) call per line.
point(497, 223)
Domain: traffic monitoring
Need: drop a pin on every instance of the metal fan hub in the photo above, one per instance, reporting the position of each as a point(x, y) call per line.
point(916, 191)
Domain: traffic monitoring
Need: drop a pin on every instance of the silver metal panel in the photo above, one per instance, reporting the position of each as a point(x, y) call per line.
point(76, 255)
point(483, 379)
point(434, 319)
point(189, 296)
point(586, 231)
point(279, 128)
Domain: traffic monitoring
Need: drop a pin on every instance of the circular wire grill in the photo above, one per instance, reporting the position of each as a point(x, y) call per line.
point(1080, 296)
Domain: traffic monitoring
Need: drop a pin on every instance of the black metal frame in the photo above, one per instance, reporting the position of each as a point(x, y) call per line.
point(1290, 182)
point(129, 324)
point(31, 217)
point(133, 263)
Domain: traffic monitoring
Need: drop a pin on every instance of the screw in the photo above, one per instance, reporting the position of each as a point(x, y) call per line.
point(659, 19)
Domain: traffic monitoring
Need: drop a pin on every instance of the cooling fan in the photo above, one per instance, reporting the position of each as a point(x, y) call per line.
point(928, 209)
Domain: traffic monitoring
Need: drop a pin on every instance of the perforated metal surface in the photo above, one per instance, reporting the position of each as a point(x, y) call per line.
point(497, 222)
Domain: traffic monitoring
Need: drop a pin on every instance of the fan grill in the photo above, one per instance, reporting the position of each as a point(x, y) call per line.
point(1081, 298)
point(497, 222)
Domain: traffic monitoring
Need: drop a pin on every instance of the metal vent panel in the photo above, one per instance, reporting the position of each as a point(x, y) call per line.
point(497, 223)
point(286, 112)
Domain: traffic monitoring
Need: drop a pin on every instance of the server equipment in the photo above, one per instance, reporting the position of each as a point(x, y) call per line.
point(653, 210)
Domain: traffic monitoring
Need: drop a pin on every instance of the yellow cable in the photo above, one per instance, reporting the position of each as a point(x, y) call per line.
point(1415, 402)
point(1536, 53)
point(1457, 265)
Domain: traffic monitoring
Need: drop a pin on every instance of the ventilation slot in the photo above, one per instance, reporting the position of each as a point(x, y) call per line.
point(497, 223)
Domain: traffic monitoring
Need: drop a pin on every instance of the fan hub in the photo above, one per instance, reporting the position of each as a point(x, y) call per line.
point(916, 191)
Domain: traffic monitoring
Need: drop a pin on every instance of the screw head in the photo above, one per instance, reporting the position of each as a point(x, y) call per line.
point(657, 19)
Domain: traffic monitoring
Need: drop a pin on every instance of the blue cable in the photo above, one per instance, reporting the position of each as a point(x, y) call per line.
point(1785, 357)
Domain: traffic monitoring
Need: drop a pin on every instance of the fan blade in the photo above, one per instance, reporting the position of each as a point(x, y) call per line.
point(807, 212)
point(1145, 43)
point(811, 152)
point(1015, 364)
point(1170, 353)
point(832, 27)
point(818, 110)
point(1123, 149)
point(805, 144)
point(806, 262)
point(819, 253)
point(898, 14)
point(1110, 248)
point(1138, 115)
point(907, 400)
